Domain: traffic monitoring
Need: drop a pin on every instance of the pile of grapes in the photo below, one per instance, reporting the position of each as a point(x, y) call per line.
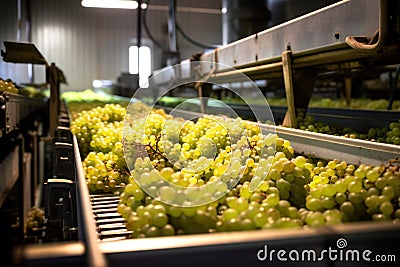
point(389, 135)
point(79, 101)
point(8, 86)
point(318, 102)
point(35, 219)
point(215, 174)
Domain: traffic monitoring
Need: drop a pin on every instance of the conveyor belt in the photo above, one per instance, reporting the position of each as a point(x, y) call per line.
point(110, 225)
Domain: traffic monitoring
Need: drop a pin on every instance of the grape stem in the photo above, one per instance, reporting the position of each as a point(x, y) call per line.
point(156, 150)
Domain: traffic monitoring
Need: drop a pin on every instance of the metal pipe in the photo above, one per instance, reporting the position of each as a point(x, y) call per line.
point(173, 46)
point(139, 38)
point(379, 38)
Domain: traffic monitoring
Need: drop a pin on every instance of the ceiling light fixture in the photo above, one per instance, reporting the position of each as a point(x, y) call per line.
point(143, 5)
point(123, 4)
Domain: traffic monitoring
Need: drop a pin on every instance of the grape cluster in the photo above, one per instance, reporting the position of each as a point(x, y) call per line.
point(274, 187)
point(362, 193)
point(106, 172)
point(35, 219)
point(103, 120)
point(8, 86)
point(308, 123)
point(390, 135)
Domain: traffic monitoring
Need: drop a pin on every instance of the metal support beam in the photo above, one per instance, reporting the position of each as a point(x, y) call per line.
point(53, 80)
point(290, 118)
point(139, 38)
point(347, 90)
point(204, 91)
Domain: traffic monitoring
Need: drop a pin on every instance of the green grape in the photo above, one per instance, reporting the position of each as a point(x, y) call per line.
point(373, 191)
point(272, 199)
point(247, 224)
point(347, 208)
point(372, 175)
point(380, 183)
point(372, 201)
point(396, 213)
point(241, 204)
point(359, 173)
point(133, 222)
point(272, 214)
point(244, 190)
point(167, 230)
point(230, 214)
point(300, 161)
point(314, 218)
point(328, 203)
point(314, 204)
point(386, 208)
point(389, 192)
point(152, 231)
point(354, 186)
point(328, 190)
point(355, 198)
point(340, 186)
point(332, 216)
point(167, 194)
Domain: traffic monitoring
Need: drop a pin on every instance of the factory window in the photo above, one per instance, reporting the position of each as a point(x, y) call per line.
point(143, 66)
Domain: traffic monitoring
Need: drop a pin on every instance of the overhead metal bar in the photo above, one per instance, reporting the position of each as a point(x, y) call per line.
point(324, 27)
point(173, 45)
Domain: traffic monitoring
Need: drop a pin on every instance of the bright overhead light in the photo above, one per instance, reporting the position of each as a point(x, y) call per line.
point(224, 10)
point(143, 6)
point(124, 4)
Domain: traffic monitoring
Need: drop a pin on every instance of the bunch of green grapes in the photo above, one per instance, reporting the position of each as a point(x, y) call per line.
point(106, 172)
point(35, 218)
point(390, 135)
point(104, 139)
point(393, 136)
point(192, 131)
point(252, 180)
point(363, 193)
point(266, 200)
point(88, 123)
point(245, 161)
point(308, 123)
point(253, 203)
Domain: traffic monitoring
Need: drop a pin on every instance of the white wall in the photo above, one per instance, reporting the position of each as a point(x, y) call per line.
point(91, 43)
